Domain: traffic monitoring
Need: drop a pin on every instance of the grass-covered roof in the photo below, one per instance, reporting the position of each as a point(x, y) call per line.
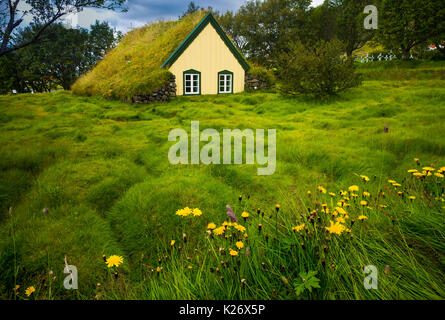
point(134, 66)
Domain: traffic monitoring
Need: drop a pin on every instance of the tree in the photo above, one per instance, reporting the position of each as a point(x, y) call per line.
point(350, 28)
point(192, 7)
point(405, 24)
point(59, 59)
point(44, 14)
point(320, 70)
point(263, 28)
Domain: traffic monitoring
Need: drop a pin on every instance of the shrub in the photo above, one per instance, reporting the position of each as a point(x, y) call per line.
point(321, 70)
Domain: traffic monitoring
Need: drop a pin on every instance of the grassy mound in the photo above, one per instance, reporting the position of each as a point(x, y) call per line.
point(134, 66)
point(102, 170)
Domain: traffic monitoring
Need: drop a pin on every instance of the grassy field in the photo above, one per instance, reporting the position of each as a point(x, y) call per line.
point(101, 170)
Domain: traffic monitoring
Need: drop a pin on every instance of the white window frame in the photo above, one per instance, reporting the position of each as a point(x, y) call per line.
point(226, 79)
point(189, 87)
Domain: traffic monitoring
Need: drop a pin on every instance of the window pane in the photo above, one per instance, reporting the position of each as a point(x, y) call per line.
point(187, 77)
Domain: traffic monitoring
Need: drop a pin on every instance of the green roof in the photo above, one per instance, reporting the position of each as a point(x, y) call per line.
point(209, 18)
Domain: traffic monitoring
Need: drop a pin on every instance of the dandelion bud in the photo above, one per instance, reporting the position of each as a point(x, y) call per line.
point(240, 198)
point(302, 245)
point(104, 257)
point(277, 207)
point(325, 248)
point(212, 270)
point(116, 275)
point(184, 237)
point(258, 211)
point(260, 226)
point(243, 283)
point(352, 222)
point(323, 262)
point(45, 211)
point(218, 271)
point(222, 279)
point(263, 265)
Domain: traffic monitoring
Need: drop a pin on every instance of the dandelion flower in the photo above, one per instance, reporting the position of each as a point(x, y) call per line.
point(240, 227)
point(172, 243)
point(340, 210)
point(321, 189)
point(362, 217)
point(298, 228)
point(340, 219)
point(412, 170)
point(114, 261)
point(29, 291)
point(428, 168)
point(366, 194)
point(233, 253)
point(365, 178)
point(211, 226)
point(239, 245)
point(439, 175)
point(353, 188)
point(392, 181)
point(219, 231)
point(336, 228)
point(412, 197)
point(245, 214)
point(197, 212)
point(332, 194)
point(363, 203)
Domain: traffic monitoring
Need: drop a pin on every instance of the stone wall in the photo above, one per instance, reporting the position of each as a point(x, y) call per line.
point(162, 94)
point(256, 82)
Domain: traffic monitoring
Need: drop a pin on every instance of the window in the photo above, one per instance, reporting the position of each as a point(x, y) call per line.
point(225, 82)
point(192, 82)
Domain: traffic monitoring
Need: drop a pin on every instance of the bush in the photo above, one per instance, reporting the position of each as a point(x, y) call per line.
point(321, 70)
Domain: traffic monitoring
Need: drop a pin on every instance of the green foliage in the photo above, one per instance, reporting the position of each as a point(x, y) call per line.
point(264, 73)
point(133, 67)
point(59, 60)
point(321, 70)
point(116, 193)
point(405, 24)
point(307, 281)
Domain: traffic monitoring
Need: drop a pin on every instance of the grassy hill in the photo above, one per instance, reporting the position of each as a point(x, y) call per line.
point(100, 168)
point(134, 66)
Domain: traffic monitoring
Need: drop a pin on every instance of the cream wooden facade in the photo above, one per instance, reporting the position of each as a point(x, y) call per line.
point(208, 53)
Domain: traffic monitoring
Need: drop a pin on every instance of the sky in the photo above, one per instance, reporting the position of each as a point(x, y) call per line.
point(141, 12)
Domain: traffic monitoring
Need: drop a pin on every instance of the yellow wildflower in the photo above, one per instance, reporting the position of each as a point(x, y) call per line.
point(239, 245)
point(340, 219)
point(366, 194)
point(233, 253)
point(340, 210)
point(362, 217)
point(363, 203)
point(245, 214)
point(114, 261)
point(29, 291)
point(412, 170)
point(298, 228)
point(439, 175)
point(336, 228)
point(428, 169)
point(365, 178)
point(353, 188)
point(219, 231)
point(412, 197)
point(332, 194)
point(321, 189)
point(211, 226)
point(172, 243)
point(197, 212)
point(239, 227)
point(392, 181)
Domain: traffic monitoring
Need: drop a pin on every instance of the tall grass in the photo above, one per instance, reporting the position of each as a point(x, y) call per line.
point(100, 168)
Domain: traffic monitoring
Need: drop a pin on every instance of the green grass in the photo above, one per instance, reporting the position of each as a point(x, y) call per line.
point(101, 169)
